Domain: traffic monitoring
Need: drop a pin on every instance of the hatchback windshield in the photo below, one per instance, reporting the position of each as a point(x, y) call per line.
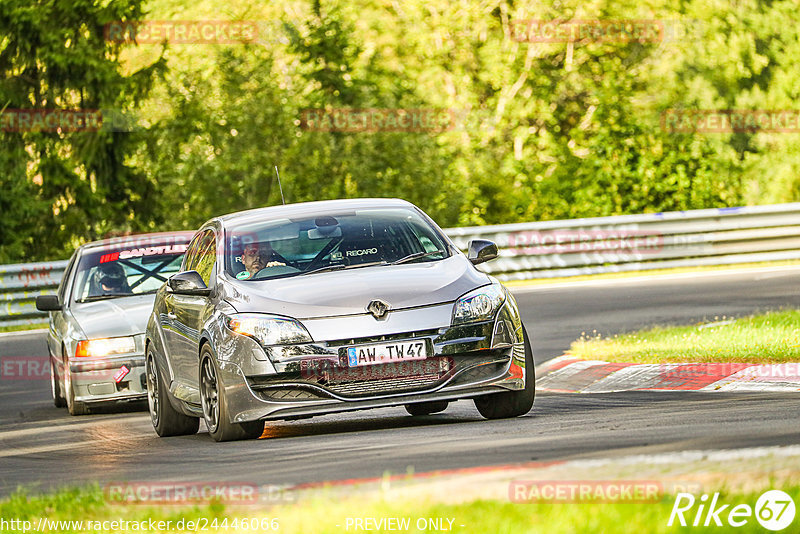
point(128, 269)
point(361, 238)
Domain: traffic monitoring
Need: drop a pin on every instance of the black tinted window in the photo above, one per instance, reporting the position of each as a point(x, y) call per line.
point(131, 269)
point(290, 247)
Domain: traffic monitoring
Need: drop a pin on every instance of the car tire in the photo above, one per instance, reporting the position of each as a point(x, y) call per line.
point(426, 408)
point(167, 421)
point(215, 407)
point(512, 403)
point(55, 387)
point(74, 407)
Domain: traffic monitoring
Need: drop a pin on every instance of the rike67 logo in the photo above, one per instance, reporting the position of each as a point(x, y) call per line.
point(774, 510)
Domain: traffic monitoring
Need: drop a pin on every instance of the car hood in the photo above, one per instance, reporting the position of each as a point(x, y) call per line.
point(125, 316)
point(348, 292)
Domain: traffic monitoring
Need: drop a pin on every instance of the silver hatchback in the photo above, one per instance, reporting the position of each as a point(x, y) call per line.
point(98, 317)
point(307, 309)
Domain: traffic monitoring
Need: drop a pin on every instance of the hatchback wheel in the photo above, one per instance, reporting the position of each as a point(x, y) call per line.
point(426, 408)
point(167, 421)
point(55, 387)
point(215, 408)
point(511, 403)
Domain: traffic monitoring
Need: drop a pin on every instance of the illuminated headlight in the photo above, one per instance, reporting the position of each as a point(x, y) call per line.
point(111, 346)
point(267, 329)
point(479, 305)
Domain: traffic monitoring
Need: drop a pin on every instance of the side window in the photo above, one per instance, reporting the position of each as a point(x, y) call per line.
point(206, 256)
point(189, 260)
point(62, 288)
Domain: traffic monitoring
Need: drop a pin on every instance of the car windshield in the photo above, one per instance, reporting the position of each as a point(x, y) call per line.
point(360, 238)
point(130, 268)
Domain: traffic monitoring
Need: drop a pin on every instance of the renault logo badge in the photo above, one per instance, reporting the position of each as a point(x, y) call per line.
point(378, 308)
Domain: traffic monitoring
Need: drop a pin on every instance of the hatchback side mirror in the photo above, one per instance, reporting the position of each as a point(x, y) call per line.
point(48, 303)
point(481, 250)
point(188, 283)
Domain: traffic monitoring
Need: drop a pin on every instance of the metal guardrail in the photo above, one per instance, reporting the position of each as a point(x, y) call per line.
point(640, 242)
point(20, 284)
point(550, 248)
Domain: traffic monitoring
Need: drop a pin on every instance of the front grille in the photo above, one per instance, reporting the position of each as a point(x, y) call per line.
point(386, 378)
point(384, 385)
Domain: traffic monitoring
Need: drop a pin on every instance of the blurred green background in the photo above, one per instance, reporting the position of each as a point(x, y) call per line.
point(544, 130)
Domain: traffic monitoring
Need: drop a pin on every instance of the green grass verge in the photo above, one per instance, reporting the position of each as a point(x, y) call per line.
point(330, 515)
point(22, 327)
point(772, 337)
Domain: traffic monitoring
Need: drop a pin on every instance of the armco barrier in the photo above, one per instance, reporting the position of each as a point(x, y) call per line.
point(551, 248)
point(20, 284)
point(640, 242)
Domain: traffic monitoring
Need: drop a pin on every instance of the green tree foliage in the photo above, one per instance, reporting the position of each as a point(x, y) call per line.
point(539, 130)
point(60, 187)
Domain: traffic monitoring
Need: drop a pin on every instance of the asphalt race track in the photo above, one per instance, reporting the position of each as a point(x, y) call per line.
point(42, 446)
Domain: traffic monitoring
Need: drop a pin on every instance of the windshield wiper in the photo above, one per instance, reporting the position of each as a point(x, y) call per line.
point(336, 267)
point(340, 267)
point(416, 255)
point(105, 296)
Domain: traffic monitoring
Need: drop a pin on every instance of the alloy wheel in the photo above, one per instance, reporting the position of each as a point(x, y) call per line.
point(152, 390)
point(209, 394)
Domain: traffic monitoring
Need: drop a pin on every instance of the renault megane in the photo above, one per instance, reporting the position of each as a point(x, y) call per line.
point(308, 309)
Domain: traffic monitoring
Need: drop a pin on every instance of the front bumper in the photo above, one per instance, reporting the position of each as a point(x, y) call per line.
point(93, 381)
point(314, 379)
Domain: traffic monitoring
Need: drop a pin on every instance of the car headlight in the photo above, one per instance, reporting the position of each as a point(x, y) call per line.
point(268, 329)
point(111, 346)
point(479, 305)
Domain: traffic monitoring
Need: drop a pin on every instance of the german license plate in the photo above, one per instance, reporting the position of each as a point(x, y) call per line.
point(398, 351)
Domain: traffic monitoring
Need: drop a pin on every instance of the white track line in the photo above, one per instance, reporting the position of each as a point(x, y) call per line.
point(22, 333)
point(712, 455)
point(634, 278)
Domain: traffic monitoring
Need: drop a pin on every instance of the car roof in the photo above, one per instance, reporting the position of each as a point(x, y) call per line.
point(142, 240)
point(305, 209)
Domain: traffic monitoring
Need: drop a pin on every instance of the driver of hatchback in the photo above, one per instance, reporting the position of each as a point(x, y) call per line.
point(257, 256)
point(110, 279)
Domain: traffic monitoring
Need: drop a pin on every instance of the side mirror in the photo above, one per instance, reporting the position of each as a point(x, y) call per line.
point(188, 283)
point(48, 303)
point(481, 250)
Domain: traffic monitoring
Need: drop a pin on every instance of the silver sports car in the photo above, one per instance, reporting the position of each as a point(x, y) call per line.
point(293, 311)
point(98, 317)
